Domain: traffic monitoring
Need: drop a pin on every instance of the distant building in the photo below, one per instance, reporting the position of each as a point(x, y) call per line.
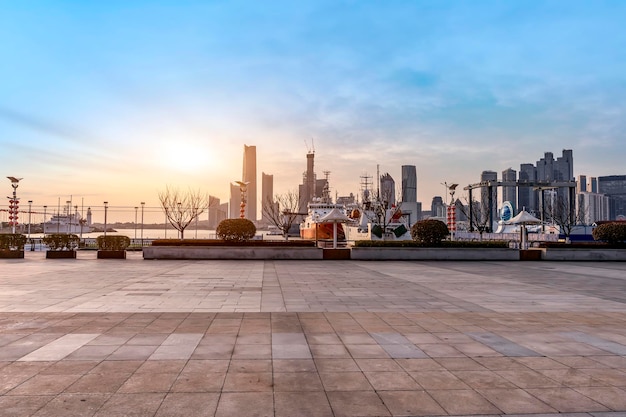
point(249, 175)
point(509, 193)
point(437, 207)
point(409, 184)
point(592, 207)
point(526, 196)
point(614, 186)
point(217, 212)
point(484, 197)
point(387, 190)
point(267, 194)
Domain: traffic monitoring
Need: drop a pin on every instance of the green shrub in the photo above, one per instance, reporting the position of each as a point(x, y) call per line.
point(12, 241)
point(484, 244)
point(236, 230)
point(113, 242)
point(61, 241)
point(429, 231)
point(610, 232)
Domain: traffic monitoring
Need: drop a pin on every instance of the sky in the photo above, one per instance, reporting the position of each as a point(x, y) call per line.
point(115, 100)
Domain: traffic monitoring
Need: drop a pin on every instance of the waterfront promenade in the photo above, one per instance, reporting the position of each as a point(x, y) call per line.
point(92, 337)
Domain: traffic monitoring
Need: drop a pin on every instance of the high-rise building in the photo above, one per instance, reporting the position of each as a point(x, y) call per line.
point(592, 207)
point(484, 198)
point(308, 187)
point(235, 202)
point(387, 190)
point(267, 194)
point(526, 196)
point(581, 184)
point(509, 192)
point(217, 212)
point(249, 176)
point(614, 186)
point(592, 185)
point(409, 184)
point(437, 208)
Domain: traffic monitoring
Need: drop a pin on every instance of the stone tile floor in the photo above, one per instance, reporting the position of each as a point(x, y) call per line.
point(91, 337)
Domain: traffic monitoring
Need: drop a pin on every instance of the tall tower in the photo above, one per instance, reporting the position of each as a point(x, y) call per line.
point(489, 203)
point(387, 190)
point(509, 192)
point(249, 176)
point(267, 193)
point(409, 184)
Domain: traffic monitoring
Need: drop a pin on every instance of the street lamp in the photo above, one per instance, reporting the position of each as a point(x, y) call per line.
point(105, 217)
point(14, 203)
point(43, 225)
point(142, 205)
point(243, 188)
point(30, 205)
point(195, 210)
point(136, 224)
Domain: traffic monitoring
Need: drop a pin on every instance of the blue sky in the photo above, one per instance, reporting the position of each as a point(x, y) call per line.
point(115, 100)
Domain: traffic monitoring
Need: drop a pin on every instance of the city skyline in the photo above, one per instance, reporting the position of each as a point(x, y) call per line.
point(113, 102)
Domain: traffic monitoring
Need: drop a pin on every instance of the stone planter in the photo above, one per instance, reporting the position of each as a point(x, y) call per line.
point(61, 254)
point(434, 254)
point(337, 254)
point(231, 252)
point(530, 255)
point(111, 254)
point(11, 254)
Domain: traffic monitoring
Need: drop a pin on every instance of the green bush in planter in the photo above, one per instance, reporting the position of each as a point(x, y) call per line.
point(113, 242)
point(12, 241)
point(61, 241)
point(429, 231)
point(236, 230)
point(610, 232)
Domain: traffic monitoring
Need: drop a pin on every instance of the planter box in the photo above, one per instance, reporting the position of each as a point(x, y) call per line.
point(111, 254)
point(61, 254)
point(435, 254)
point(336, 254)
point(231, 252)
point(576, 254)
point(530, 255)
point(11, 254)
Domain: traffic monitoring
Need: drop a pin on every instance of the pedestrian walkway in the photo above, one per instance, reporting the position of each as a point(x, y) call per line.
point(91, 337)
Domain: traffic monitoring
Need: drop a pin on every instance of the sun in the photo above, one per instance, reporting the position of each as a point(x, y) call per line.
point(183, 157)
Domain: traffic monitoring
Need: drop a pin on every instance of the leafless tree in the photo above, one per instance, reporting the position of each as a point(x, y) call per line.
point(282, 211)
point(382, 214)
point(183, 207)
point(561, 213)
point(478, 212)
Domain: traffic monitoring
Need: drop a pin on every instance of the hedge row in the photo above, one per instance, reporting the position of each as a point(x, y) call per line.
point(12, 241)
point(488, 244)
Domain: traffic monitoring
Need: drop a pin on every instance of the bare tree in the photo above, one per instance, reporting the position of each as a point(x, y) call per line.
point(477, 213)
point(183, 207)
point(383, 215)
point(564, 215)
point(282, 211)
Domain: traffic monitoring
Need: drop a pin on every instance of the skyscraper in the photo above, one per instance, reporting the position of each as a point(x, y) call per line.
point(614, 186)
point(267, 193)
point(509, 193)
point(409, 184)
point(489, 206)
point(249, 176)
point(526, 196)
point(387, 190)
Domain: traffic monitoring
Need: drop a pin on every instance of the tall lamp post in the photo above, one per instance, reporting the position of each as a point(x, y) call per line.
point(30, 206)
point(142, 205)
point(136, 224)
point(243, 189)
point(451, 212)
point(43, 225)
point(105, 217)
point(14, 203)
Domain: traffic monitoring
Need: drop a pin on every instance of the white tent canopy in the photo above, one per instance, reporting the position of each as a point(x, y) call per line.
point(524, 217)
point(335, 216)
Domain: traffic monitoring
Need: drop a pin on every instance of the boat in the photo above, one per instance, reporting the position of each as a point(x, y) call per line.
point(375, 220)
point(68, 222)
point(314, 227)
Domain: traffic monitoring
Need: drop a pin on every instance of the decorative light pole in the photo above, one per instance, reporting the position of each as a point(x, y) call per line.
point(451, 213)
point(105, 217)
point(142, 206)
point(30, 206)
point(14, 203)
point(243, 189)
point(136, 224)
point(43, 225)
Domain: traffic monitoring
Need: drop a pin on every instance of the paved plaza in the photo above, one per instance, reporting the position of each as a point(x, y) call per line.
point(92, 337)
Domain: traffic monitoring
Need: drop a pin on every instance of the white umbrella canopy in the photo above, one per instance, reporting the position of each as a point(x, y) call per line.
point(524, 217)
point(335, 216)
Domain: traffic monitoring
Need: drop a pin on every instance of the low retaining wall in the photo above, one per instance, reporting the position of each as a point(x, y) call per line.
point(435, 254)
point(560, 254)
point(231, 252)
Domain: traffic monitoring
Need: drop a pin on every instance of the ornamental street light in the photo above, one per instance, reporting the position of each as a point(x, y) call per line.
point(30, 206)
point(14, 203)
point(142, 205)
point(136, 224)
point(105, 217)
point(243, 188)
